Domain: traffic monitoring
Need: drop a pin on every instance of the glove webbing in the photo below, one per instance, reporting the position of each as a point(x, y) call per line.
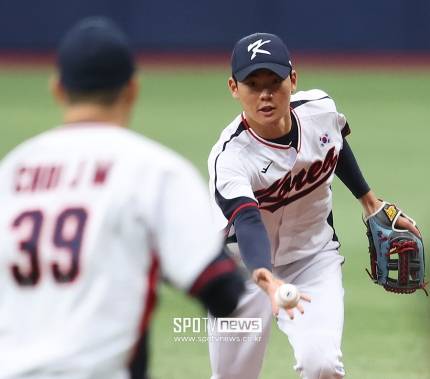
point(402, 248)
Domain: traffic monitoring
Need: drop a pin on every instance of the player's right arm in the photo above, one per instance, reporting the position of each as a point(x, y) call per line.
point(232, 192)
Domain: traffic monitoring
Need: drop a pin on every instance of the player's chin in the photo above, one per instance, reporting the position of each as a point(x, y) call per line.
point(265, 115)
point(269, 119)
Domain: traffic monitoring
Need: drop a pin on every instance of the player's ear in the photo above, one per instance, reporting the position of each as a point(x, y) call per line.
point(57, 89)
point(232, 85)
point(293, 77)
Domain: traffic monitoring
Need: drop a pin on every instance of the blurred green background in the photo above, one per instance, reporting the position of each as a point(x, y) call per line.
point(386, 336)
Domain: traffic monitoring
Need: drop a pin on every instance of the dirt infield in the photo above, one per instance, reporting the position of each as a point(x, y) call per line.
point(399, 61)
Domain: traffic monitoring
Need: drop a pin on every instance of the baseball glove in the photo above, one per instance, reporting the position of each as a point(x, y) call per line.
point(396, 256)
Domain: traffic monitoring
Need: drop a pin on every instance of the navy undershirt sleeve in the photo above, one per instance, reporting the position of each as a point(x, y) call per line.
point(251, 234)
point(349, 173)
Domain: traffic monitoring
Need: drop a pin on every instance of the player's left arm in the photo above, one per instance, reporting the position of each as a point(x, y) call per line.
point(348, 171)
point(396, 249)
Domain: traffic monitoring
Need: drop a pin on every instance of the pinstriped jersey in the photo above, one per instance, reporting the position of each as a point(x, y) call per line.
point(87, 211)
point(290, 184)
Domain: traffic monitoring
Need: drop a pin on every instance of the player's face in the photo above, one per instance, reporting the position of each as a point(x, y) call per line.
point(264, 96)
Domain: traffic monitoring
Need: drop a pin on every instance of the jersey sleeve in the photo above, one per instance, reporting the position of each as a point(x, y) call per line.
point(183, 228)
point(326, 104)
point(230, 186)
point(343, 125)
point(340, 119)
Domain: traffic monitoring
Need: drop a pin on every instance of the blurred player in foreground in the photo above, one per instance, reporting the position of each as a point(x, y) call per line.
point(90, 214)
point(270, 175)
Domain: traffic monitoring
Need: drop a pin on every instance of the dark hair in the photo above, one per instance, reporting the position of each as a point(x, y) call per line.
point(104, 97)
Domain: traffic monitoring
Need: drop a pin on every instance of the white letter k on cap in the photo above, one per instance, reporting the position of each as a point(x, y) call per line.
point(255, 47)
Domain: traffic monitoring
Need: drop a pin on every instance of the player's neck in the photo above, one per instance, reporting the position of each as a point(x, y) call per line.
point(271, 131)
point(78, 113)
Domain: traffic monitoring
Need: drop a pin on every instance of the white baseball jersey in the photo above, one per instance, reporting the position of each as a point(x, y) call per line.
point(290, 185)
point(87, 211)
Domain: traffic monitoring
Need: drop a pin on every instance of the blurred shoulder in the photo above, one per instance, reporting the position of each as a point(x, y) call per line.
point(98, 140)
point(136, 147)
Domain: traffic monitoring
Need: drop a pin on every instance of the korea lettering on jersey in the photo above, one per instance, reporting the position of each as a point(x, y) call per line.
point(291, 185)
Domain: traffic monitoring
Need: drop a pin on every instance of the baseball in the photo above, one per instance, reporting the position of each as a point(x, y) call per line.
point(287, 296)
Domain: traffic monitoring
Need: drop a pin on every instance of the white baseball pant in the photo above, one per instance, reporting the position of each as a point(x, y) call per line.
point(315, 336)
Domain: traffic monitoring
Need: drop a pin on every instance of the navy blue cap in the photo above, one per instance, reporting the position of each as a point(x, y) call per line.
point(95, 55)
point(257, 51)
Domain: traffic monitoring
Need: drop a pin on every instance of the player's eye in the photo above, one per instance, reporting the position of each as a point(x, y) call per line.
point(277, 82)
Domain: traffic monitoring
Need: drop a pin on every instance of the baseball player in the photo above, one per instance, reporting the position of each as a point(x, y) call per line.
point(91, 213)
point(270, 178)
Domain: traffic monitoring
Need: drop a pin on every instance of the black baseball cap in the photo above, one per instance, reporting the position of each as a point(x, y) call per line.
point(95, 55)
point(257, 51)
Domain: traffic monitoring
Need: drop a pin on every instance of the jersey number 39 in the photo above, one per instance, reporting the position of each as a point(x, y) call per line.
point(66, 238)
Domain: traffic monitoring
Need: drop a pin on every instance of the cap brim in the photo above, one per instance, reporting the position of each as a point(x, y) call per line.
point(278, 69)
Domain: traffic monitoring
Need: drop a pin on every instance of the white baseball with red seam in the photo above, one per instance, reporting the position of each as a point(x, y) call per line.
point(287, 296)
